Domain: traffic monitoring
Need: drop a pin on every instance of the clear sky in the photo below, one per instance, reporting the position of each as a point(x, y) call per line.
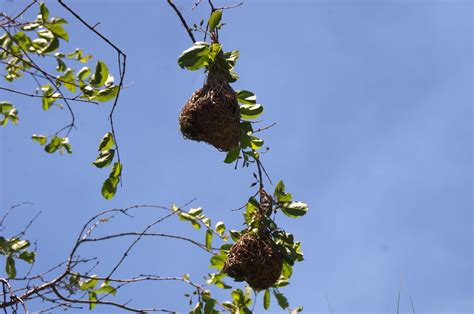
point(373, 105)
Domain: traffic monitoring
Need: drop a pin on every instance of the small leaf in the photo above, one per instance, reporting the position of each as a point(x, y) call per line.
point(53, 45)
point(246, 97)
point(18, 245)
point(89, 284)
point(220, 228)
point(266, 300)
point(256, 142)
point(58, 31)
point(232, 155)
point(214, 20)
point(68, 80)
point(195, 211)
point(195, 57)
point(53, 145)
point(250, 111)
point(10, 267)
point(44, 11)
point(295, 209)
point(61, 67)
point(93, 299)
point(282, 300)
point(106, 288)
point(217, 261)
point(109, 188)
point(83, 73)
point(39, 138)
point(235, 235)
point(105, 158)
point(106, 94)
point(280, 193)
point(100, 75)
point(27, 256)
point(208, 239)
point(106, 142)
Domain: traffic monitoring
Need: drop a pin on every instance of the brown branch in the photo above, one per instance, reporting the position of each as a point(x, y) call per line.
point(118, 305)
point(39, 96)
point(183, 21)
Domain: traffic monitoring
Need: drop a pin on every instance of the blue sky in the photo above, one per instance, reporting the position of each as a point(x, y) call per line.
point(373, 105)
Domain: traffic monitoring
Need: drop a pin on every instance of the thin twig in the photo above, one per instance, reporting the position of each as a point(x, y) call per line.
point(183, 21)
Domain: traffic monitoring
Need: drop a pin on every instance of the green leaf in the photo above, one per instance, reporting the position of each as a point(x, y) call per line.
point(208, 239)
point(287, 270)
point(27, 256)
point(10, 267)
point(109, 188)
point(295, 209)
point(89, 284)
point(44, 11)
point(61, 67)
point(214, 20)
point(106, 142)
point(53, 145)
point(280, 194)
point(220, 228)
point(256, 142)
point(282, 300)
point(195, 211)
point(30, 26)
point(53, 45)
point(231, 57)
point(93, 299)
point(195, 57)
point(39, 138)
point(246, 97)
point(105, 158)
point(216, 279)
point(232, 155)
point(18, 245)
point(57, 20)
point(214, 51)
point(83, 73)
point(67, 79)
point(58, 31)
point(209, 307)
point(266, 300)
point(105, 287)
point(5, 106)
point(250, 111)
point(197, 309)
point(217, 261)
point(116, 171)
point(235, 235)
point(100, 75)
point(106, 94)
point(46, 34)
point(22, 40)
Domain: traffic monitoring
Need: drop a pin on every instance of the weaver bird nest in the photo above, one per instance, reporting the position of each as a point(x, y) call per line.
point(254, 259)
point(212, 114)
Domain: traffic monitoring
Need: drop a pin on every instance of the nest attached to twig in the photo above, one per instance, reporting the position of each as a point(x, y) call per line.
point(212, 114)
point(254, 259)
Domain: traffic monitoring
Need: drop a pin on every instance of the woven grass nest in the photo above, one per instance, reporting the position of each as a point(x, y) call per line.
point(212, 114)
point(256, 260)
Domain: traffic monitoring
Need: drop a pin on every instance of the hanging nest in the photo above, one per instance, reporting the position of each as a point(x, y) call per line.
point(212, 114)
point(254, 259)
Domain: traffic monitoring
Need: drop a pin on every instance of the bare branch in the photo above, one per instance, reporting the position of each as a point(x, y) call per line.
point(183, 21)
